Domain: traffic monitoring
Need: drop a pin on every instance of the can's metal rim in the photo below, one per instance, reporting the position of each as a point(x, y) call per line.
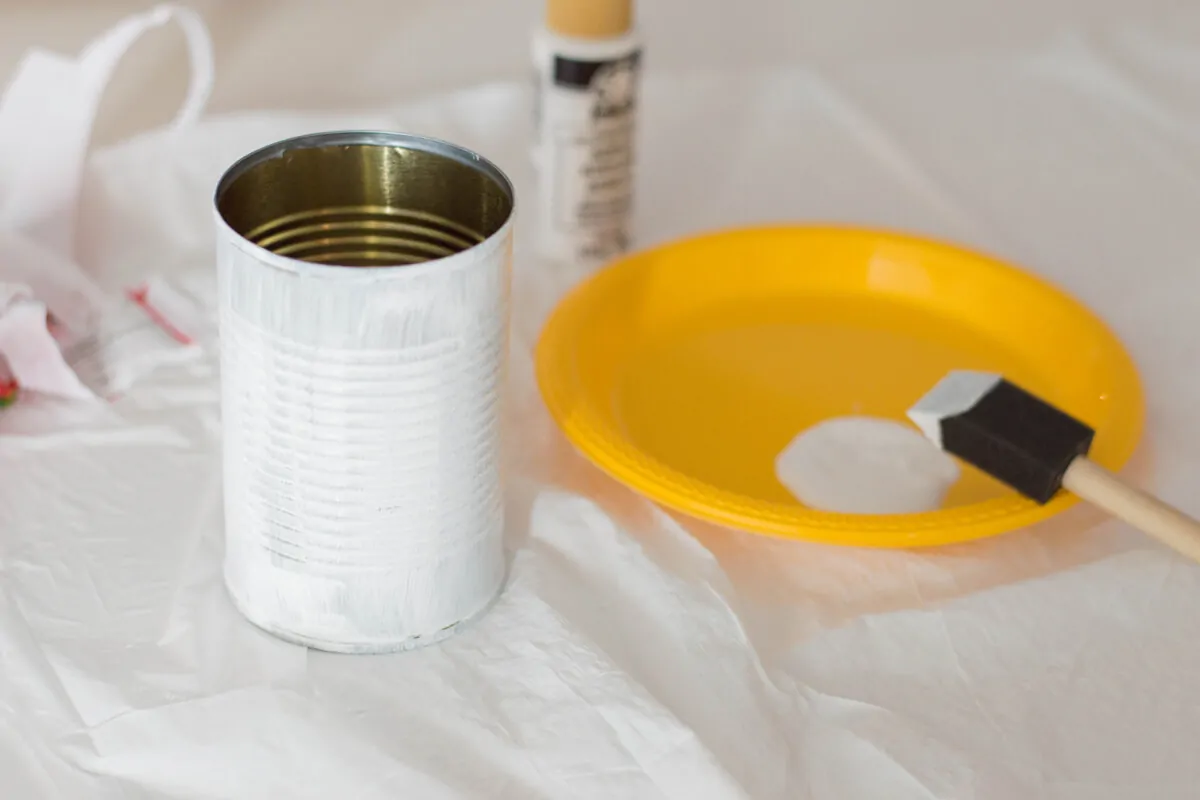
point(412, 141)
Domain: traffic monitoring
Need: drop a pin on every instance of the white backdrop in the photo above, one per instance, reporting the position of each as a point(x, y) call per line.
point(634, 654)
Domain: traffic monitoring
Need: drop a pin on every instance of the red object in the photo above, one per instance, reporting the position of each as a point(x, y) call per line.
point(138, 295)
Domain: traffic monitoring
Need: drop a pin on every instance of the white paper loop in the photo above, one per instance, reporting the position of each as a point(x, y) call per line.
point(101, 57)
point(46, 117)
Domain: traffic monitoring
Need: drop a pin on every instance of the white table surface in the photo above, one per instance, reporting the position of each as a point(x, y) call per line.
point(636, 655)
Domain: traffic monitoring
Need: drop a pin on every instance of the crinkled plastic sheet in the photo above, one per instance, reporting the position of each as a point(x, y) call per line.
point(634, 654)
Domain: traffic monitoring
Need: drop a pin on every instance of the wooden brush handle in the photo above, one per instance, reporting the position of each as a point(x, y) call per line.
point(1148, 514)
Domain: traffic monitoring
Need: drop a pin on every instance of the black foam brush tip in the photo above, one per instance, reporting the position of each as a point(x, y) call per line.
point(1014, 436)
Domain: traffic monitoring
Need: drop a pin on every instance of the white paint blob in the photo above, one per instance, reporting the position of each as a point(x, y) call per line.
point(955, 394)
point(866, 465)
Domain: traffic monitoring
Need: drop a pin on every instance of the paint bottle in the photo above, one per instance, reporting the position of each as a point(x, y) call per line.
point(587, 57)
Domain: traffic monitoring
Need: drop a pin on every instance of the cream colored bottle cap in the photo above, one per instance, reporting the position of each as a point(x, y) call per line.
point(589, 19)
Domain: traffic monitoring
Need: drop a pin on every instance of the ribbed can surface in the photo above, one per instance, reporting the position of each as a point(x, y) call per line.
point(361, 392)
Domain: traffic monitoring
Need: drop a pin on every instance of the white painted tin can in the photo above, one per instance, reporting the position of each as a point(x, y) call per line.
point(364, 305)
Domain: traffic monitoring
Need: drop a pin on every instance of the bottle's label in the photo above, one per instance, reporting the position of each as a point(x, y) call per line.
point(587, 109)
point(612, 82)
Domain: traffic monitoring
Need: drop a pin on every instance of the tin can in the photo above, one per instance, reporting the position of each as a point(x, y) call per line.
point(364, 310)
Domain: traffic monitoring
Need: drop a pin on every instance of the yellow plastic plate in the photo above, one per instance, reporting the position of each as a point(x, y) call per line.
point(683, 371)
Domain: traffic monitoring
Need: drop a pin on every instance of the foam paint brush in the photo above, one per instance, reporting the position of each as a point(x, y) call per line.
point(1039, 450)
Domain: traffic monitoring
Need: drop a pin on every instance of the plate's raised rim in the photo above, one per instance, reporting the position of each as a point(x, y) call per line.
point(608, 450)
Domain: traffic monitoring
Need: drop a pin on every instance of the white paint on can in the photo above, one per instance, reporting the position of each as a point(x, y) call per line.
point(361, 413)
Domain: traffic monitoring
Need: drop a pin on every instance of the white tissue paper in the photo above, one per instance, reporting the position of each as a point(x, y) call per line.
point(60, 335)
point(635, 654)
point(31, 354)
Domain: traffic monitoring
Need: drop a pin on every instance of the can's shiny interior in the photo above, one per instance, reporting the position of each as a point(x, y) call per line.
point(364, 199)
